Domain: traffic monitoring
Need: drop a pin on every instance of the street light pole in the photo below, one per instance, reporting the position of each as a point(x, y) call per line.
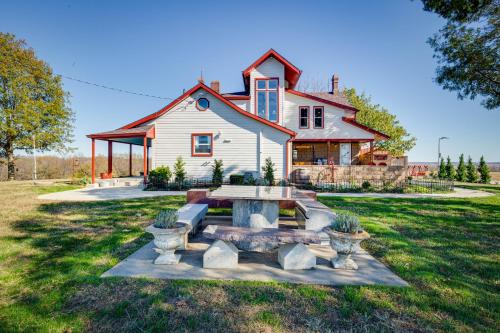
point(439, 148)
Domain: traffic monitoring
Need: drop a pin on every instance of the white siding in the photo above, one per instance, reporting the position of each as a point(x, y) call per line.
point(236, 139)
point(269, 68)
point(334, 126)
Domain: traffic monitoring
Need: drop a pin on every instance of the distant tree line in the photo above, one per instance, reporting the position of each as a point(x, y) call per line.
point(464, 172)
point(77, 167)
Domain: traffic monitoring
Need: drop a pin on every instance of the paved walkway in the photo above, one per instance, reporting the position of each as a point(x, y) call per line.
point(253, 266)
point(458, 193)
point(106, 193)
point(133, 192)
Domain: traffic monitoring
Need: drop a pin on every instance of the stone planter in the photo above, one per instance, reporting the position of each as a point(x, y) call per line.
point(167, 241)
point(345, 245)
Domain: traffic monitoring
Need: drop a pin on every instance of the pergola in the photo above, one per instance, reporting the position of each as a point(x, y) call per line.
point(140, 136)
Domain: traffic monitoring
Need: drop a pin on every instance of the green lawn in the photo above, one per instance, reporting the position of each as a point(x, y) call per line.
point(51, 256)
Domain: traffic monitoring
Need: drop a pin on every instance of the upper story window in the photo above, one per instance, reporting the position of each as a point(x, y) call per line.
point(304, 117)
point(202, 104)
point(266, 92)
point(201, 144)
point(319, 117)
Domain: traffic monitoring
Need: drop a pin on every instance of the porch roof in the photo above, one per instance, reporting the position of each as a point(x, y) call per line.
point(133, 135)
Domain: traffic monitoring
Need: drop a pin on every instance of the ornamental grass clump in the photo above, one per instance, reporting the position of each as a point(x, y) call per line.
point(166, 219)
point(346, 223)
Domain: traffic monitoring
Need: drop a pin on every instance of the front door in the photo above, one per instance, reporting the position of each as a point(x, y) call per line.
point(345, 154)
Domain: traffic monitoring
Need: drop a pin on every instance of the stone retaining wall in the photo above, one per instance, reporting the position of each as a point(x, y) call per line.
point(322, 173)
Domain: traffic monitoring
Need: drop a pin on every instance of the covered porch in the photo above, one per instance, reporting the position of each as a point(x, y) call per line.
point(343, 152)
point(139, 136)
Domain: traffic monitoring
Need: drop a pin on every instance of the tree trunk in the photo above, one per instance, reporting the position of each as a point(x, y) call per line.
point(11, 168)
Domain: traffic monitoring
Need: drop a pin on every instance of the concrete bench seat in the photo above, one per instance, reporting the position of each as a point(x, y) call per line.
point(315, 216)
point(192, 215)
point(292, 254)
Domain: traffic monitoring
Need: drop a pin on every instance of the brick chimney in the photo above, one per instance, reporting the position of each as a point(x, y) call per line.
point(215, 85)
point(335, 85)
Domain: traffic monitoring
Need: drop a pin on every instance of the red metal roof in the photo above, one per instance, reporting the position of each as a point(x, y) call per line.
point(292, 73)
point(322, 100)
point(366, 128)
point(218, 96)
point(141, 131)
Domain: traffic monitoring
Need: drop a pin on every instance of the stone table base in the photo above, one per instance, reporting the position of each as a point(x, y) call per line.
point(256, 214)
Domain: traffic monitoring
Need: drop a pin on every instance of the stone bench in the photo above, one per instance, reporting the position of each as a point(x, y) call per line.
point(313, 215)
point(192, 215)
point(292, 254)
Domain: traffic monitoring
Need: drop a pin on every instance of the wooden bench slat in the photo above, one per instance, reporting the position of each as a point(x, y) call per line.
point(234, 234)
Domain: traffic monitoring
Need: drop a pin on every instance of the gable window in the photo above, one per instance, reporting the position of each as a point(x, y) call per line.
point(319, 117)
point(304, 117)
point(202, 104)
point(266, 92)
point(201, 144)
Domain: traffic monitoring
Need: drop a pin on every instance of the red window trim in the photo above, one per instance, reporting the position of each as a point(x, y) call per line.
point(308, 114)
point(277, 90)
point(193, 154)
point(322, 116)
point(198, 105)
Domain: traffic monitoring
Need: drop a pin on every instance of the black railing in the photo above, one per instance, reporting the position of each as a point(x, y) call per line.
point(155, 184)
point(383, 186)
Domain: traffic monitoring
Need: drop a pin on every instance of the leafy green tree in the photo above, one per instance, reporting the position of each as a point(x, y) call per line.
point(450, 169)
point(269, 169)
point(471, 171)
point(461, 175)
point(484, 171)
point(379, 118)
point(33, 105)
point(179, 170)
point(217, 172)
point(442, 170)
point(467, 48)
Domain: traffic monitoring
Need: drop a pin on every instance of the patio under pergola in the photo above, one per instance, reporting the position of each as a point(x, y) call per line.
point(139, 136)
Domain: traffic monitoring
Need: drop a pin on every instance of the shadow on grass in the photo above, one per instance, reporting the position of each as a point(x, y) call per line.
point(443, 247)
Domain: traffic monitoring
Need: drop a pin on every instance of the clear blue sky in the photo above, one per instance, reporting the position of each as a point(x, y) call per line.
point(159, 48)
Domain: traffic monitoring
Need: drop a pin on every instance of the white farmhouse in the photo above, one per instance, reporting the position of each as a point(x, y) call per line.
point(268, 119)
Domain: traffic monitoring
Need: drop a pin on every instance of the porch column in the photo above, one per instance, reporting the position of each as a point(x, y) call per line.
point(110, 157)
point(130, 160)
point(328, 152)
point(93, 161)
point(145, 155)
point(371, 152)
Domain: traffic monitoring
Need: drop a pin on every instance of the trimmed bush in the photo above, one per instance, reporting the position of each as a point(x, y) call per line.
point(160, 174)
point(217, 172)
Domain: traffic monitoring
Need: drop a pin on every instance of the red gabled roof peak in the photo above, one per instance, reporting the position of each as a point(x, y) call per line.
point(218, 96)
point(292, 73)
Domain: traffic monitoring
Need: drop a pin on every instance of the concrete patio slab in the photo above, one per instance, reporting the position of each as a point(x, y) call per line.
point(107, 193)
point(255, 266)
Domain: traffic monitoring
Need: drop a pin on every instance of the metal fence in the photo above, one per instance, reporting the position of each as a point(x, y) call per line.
point(404, 186)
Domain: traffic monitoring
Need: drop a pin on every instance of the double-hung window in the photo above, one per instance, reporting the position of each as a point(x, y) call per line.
point(267, 93)
point(201, 144)
point(304, 117)
point(319, 117)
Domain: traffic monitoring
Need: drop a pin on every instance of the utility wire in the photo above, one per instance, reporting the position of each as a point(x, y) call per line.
point(114, 89)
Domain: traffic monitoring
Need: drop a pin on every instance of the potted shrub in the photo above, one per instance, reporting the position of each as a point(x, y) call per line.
point(346, 235)
point(169, 235)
